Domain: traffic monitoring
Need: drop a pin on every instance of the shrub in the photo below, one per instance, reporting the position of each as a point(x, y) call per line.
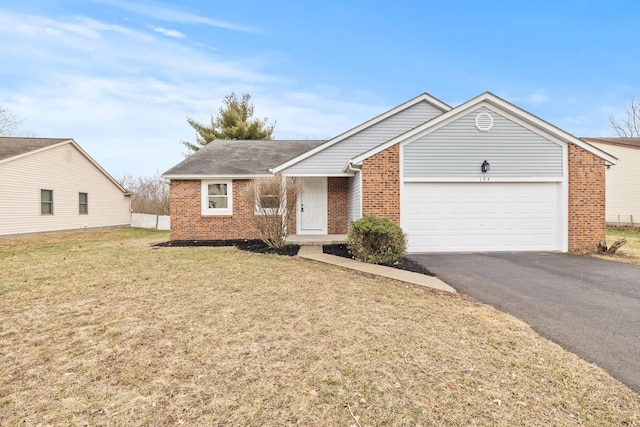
point(376, 240)
point(274, 199)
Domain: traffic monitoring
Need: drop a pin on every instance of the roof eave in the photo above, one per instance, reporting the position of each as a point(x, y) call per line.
point(77, 147)
point(425, 97)
point(37, 150)
point(546, 126)
point(213, 176)
point(492, 99)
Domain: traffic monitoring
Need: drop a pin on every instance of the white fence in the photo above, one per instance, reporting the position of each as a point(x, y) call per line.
point(155, 222)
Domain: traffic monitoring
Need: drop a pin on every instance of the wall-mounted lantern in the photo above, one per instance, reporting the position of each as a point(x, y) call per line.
point(486, 167)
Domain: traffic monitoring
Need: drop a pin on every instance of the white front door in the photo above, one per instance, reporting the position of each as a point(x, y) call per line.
point(312, 206)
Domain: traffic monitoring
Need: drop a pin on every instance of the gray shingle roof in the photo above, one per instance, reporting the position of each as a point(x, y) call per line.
point(635, 142)
point(11, 147)
point(240, 157)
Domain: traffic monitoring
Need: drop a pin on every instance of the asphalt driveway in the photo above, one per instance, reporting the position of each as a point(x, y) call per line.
point(589, 306)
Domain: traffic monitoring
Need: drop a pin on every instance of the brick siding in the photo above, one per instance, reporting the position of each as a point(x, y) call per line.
point(586, 199)
point(381, 193)
point(381, 196)
point(188, 223)
point(381, 184)
point(338, 201)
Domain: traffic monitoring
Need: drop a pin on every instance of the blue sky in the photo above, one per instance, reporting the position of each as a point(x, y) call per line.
point(121, 77)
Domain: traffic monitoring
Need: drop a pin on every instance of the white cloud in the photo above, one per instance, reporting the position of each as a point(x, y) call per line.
point(175, 15)
point(35, 26)
point(124, 94)
point(536, 98)
point(575, 120)
point(169, 33)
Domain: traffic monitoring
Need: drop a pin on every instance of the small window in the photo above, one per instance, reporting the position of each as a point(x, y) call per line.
point(83, 203)
point(216, 198)
point(46, 202)
point(267, 203)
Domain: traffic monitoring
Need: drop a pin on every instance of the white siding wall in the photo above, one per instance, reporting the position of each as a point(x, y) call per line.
point(355, 198)
point(458, 149)
point(332, 160)
point(67, 172)
point(622, 184)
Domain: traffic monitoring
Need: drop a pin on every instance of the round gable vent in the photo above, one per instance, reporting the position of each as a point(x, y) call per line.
point(484, 122)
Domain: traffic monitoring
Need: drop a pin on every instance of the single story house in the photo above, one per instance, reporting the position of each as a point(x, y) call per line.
point(622, 187)
point(483, 176)
point(52, 185)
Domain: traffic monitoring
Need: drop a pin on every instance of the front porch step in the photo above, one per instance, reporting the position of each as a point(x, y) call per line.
point(316, 240)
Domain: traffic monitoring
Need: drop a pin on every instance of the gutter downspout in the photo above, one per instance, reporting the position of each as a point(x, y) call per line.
point(350, 167)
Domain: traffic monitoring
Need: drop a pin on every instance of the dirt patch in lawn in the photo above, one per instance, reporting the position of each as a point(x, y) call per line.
point(108, 329)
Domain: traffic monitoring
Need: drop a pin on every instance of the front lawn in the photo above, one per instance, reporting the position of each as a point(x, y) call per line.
point(102, 328)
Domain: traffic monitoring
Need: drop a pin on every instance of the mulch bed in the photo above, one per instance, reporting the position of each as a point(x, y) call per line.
point(403, 264)
point(258, 246)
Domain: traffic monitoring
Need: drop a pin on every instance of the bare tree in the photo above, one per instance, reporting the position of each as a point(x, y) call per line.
point(8, 122)
point(629, 127)
point(274, 199)
point(149, 195)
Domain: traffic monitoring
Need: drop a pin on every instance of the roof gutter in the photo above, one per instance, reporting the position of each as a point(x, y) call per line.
point(350, 167)
point(201, 177)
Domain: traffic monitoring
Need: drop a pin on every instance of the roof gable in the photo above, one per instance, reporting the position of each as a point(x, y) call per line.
point(494, 102)
point(12, 148)
point(423, 98)
point(453, 150)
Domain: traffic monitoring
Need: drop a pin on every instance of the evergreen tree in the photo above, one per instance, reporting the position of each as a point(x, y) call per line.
point(234, 121)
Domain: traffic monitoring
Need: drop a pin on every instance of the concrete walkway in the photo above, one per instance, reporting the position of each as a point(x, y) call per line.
point(314, 252)
point(316, 239)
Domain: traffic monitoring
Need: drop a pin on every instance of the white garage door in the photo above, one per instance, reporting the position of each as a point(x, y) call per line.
point(461, 217)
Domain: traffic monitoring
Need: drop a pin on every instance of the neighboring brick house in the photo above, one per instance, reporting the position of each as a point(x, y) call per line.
point(483, 176)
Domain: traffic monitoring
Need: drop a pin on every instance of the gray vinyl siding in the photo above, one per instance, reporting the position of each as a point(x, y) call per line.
point(458, 149)
point(332, 160)
point(355, 198)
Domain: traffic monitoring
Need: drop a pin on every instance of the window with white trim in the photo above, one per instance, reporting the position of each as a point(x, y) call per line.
point(267, 200)
point(217, 198)
point(83, 203)
point(46, 202)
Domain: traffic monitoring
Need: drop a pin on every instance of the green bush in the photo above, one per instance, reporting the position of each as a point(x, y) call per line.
point(376, 240)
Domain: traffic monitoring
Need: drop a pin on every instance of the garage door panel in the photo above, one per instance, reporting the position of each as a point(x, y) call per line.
point(441, 217)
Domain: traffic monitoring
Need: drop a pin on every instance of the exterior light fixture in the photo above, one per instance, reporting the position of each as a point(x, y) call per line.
point(486, 167)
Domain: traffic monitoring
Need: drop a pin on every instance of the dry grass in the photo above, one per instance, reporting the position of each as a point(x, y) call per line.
point(100, 328)
point(629, 253)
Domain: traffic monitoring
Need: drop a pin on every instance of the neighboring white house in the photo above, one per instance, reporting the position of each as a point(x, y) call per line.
point(52, 185)
point(623, 180)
